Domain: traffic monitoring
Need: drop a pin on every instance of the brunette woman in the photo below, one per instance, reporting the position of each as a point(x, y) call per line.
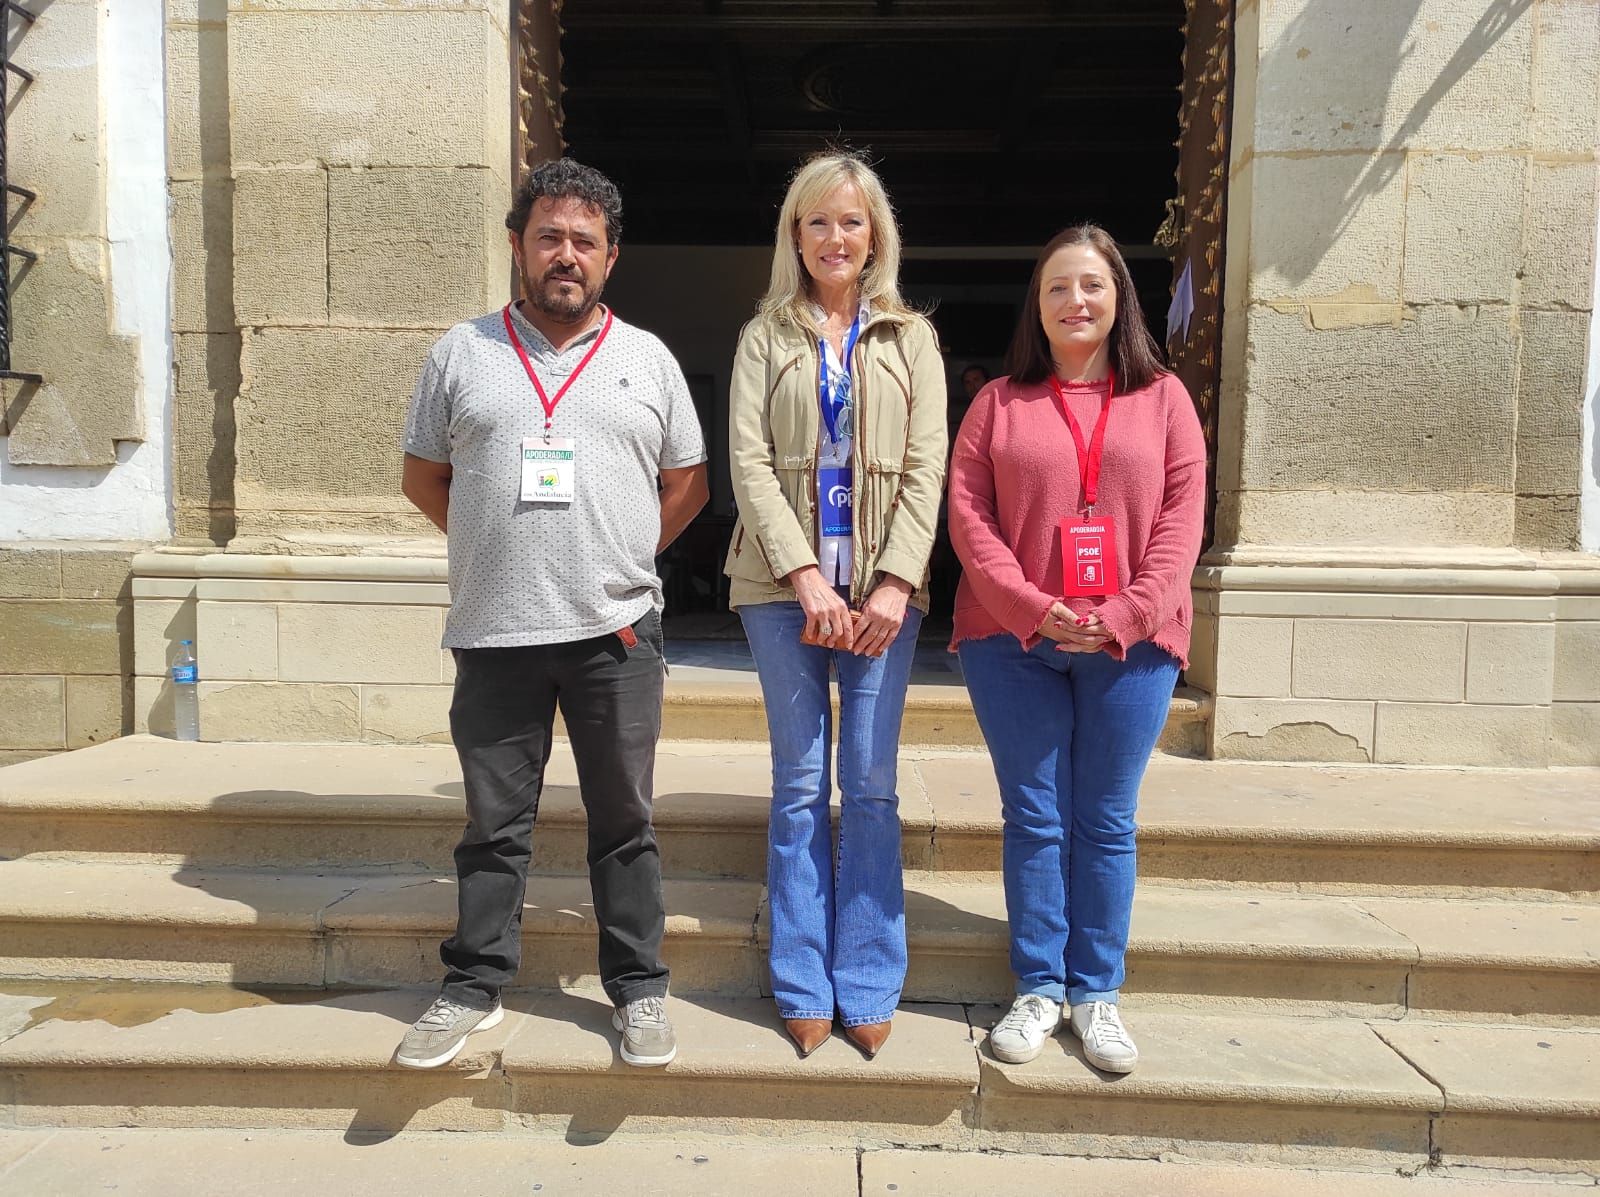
point(1077, 494)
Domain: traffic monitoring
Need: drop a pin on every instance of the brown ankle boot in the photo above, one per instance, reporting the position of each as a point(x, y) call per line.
point(869, 1037)
point(808, 1033)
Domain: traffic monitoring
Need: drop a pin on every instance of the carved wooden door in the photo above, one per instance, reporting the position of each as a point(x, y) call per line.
point(1197, 217)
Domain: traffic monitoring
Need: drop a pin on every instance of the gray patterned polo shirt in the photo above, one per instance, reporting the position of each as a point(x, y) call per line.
point(550, 573)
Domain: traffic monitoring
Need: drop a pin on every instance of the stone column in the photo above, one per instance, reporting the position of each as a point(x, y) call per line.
point(370, 155)
point(1411, 241)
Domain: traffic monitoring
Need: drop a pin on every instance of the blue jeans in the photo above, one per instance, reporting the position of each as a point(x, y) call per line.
point(1070, 735)
point(838, 928)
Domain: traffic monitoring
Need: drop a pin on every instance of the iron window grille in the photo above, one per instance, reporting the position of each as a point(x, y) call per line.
point(8, 250)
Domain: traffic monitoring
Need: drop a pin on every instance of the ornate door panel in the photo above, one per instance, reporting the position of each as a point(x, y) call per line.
point(1197, 218)
point(539, 113)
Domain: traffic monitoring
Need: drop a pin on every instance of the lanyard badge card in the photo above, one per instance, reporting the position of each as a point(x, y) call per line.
point(1088, 541)
point(549, 466)
point(833, 484)
point(549, 470)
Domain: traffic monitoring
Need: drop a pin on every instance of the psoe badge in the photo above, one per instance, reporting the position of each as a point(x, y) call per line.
point(549, 470)
point(1088, 557)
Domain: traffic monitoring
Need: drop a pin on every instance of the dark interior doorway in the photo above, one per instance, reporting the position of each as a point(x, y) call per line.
point(993, 125)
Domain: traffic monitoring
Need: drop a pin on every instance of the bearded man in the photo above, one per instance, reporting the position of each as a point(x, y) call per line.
point(559, 451)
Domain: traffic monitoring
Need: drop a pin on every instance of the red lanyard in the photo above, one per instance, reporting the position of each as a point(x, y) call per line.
point(549, 403)
point(1088, 455)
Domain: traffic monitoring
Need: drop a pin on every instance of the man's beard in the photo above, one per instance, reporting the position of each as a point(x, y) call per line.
point(562, 309)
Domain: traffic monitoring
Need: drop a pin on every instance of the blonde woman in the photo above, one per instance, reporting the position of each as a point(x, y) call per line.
point(838, 442)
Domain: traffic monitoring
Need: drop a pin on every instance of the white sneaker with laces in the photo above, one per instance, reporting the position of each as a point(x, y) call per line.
point(647, 1038)
point(439, 1035)
point(1021, 1035)
point(1106, 1042)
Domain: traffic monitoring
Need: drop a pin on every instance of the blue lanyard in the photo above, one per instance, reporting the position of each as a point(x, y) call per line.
point(832, 405)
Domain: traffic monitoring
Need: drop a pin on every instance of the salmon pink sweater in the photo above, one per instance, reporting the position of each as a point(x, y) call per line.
point(1014, 477)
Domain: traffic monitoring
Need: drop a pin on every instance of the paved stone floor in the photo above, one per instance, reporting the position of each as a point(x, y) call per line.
point(255, 1163)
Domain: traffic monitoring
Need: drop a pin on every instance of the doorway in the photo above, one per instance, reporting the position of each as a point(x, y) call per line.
point(993, 125)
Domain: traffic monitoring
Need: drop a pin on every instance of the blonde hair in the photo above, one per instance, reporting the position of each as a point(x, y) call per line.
point(788, 296)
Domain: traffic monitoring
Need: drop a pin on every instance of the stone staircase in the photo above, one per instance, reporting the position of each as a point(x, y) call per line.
point(725, 705)
point(1356, 968)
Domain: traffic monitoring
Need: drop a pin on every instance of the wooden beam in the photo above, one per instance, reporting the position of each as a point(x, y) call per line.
point(781, 144)
point(785, 21)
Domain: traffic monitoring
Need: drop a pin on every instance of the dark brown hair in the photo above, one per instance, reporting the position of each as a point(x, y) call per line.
point(567, 178)
point(1135, 356)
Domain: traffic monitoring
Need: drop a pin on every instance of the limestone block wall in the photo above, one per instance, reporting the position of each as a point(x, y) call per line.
point(65, 640)
point(62, 305)
point(308, 648)
point(340, 174)
point(1410, 273)
point(1408, 297)
point(1403, 661)
point(206, 336)
point(1575, 706)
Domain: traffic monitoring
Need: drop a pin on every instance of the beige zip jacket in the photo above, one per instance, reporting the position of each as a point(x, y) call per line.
point(774, 434)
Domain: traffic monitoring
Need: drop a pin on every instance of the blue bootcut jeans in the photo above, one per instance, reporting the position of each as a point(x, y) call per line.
point(1070, 735)
point(838, 927)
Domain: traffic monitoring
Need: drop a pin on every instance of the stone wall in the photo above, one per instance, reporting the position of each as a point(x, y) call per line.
point(75, 458)
point(1409, 289)
point(1402, 659)
point(205, 333)
point(308, 648)
point(1410, 273)
point(340, 171)
point(62, 304)
point(66, 623)
point(1411, 255)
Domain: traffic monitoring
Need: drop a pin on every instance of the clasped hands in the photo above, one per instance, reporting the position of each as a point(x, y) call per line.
point(1074, 633)
point(828, 619)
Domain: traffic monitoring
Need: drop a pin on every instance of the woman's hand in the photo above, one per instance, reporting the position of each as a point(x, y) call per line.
point(827, 615)
point(1074, 633)
point(882, 616)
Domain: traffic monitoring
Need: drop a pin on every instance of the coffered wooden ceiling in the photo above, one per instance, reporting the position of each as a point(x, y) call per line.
point(993, 123)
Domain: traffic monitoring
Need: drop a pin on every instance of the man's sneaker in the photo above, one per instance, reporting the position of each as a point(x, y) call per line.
point(1106, 1042)
point(647, 1039)
point(1021, 1035)
point(437, 1037)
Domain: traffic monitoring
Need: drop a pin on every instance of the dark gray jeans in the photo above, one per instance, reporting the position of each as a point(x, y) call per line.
point(501, 718)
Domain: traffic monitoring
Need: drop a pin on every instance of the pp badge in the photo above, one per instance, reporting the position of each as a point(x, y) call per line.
point(549, 470)
point(1088, 557)
point(834, 489)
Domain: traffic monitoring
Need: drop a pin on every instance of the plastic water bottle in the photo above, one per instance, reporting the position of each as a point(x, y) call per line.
point(186, 693)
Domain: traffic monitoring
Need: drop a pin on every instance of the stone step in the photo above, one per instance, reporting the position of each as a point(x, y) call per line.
point(135, 1162)
point(719, 705)
point(350, 808)
point(1314, 954)
point(1253, 1088)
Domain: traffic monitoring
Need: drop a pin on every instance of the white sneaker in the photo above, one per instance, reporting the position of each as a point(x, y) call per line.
point(647, 1038)
point(1021, 1035)
point(439, 1035)
point(1106, 1042)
